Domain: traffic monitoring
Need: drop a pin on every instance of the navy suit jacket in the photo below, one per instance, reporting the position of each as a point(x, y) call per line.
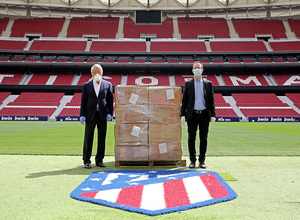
point(188, 99)
point(89, 100)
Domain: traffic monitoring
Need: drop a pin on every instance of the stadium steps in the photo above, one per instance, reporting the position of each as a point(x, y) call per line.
point(288, 31)
point(232, 31)
point(88, 46)
point(7, 31)
point(220, 80)
point(120, 33)
point(269, 80)
point(176, 33)
point(26, 78)
point(172, 80)
point(269, 48)
point(124, 79)
point(9, 99)
point(65, 99)
point(207, 44)
point(289, 102)
point(75, 80)
point(64, 30)
point(231, 101)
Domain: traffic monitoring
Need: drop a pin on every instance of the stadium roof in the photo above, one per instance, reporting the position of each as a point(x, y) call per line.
point(170, 8)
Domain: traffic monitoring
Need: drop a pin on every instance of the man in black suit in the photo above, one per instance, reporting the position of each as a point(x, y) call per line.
point(96, 109)
point(198, 107)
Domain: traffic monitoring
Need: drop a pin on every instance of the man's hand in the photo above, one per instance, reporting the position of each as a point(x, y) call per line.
point(182, 120)
point(82, 120)
point(108, 117)
point(212, 119)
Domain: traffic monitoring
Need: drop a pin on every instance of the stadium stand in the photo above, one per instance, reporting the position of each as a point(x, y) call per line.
point(3, 96)
point(181, 78)
point(287, 79)
point(237, 46)
point(101, 27)
point(146, 79)
point(3, 24)
point(51, 79)
point(249, 28)
point(285, 45)
point(72, 108)
point(45, 27)
point(33, 104)
point(115, 79)
point(118, 46)
point(16, 44)
point(295, 98)
point(193, 28)
point(244, 80)
point(178, 46)
point(58, 45)
point(295, 24)
point(163, 30)
point(263, 105)
point(223, 109)
point(11, 78)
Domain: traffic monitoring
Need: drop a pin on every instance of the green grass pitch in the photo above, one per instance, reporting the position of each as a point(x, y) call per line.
point(41, 165)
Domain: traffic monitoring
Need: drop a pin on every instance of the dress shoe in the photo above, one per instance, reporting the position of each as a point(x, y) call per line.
point(87, 166)
point(192, 165)
point(101, 165)
point(202, 165)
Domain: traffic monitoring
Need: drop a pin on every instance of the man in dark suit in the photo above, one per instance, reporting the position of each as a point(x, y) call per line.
point(96, 109)
point(198, 107)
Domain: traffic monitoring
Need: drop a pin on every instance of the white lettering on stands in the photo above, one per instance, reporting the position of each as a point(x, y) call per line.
point(292, 80)
point(235, 80)
point(3, 75)
point(139, 80)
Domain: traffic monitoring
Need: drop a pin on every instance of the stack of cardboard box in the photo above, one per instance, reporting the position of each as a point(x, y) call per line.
point(147, 123)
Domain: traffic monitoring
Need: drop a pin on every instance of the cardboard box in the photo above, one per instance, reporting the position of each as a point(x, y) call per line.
point(131, 95)
point(131, 153)
point(164, 95)
point(168, 114)
point(164, 132)
point(131, 133)
point(132, 114)
point(165, 151)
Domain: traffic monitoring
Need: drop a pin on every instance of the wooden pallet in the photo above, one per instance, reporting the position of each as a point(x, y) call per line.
point(152, 163)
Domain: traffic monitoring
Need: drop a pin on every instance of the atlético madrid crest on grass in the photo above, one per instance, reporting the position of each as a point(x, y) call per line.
point(154, 192)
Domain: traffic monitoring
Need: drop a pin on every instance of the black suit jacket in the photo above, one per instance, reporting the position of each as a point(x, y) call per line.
point(188, 99)
point(89, 100)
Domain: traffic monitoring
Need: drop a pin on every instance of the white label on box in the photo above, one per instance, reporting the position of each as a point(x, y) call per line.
point(135, 131)
point(170, 94)
point(133, 98)
point(162, 148)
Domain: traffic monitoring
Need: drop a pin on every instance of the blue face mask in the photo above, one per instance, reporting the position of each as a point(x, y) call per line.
point(197, 72)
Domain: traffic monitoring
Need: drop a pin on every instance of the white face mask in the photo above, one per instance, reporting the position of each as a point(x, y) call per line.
point(97, 77)
point(197, 72)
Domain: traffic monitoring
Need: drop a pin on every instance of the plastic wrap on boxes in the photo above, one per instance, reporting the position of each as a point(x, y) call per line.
point(136, 134)
point(131, 153)
point(131, 95)
point(147, 123)
point(164, 132)
point(167, 114)
point(164, 95)
point(132, 114)
point(165, 150)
